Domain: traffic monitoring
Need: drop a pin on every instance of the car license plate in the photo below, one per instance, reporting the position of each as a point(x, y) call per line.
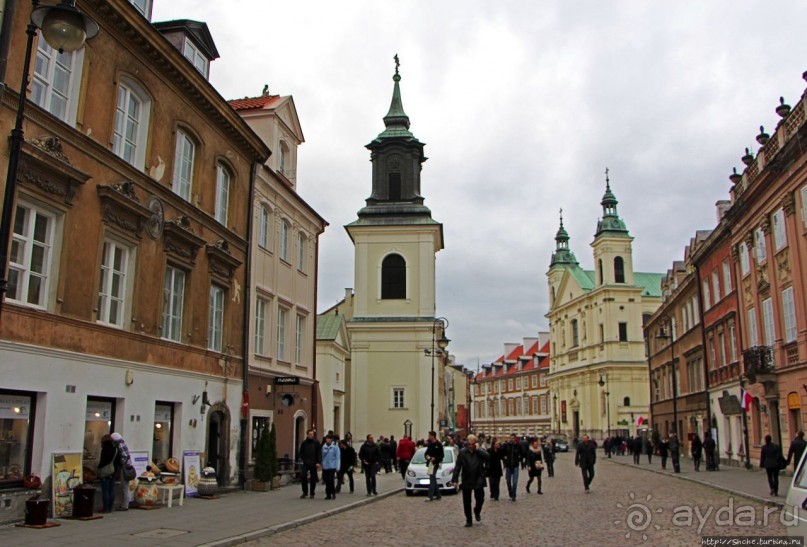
point(423, 481)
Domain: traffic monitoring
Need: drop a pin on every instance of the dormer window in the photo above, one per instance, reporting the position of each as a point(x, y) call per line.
point(195, 56)
point(143, 6)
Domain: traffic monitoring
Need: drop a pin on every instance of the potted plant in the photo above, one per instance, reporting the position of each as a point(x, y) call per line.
point(263, 455)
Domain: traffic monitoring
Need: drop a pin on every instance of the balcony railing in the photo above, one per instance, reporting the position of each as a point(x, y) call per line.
point(758, 360)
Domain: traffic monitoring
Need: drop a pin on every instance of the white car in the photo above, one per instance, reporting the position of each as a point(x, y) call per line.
point(417, 477)
point(796, 501)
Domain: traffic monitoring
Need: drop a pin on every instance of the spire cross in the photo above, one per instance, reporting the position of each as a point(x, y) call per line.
point(607, 181)
point(561, 216)
point(397, 63)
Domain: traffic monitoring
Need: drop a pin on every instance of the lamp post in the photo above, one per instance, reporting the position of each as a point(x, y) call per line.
point(555, 408)
point(604, 383)
point(64, 28)
point(441, 344)
point(745, 422)
point(671, 337)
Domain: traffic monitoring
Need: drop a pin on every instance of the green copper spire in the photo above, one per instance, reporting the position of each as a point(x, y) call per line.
point(562, 254)
point(396, 120)
point(610, 223)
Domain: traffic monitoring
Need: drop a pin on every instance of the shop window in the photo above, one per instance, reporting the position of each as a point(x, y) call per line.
point(162, 445)
point(98, 422)
point(258, 423)
point(16, 432)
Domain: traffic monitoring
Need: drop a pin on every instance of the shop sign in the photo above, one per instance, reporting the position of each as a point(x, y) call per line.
point(287, 380)
point(793, 401)
point(15, 407)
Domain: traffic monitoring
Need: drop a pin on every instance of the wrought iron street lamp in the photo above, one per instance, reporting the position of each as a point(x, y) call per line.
point(604, 383)
point(441, 344)
point(745, 422)
point(64, 28)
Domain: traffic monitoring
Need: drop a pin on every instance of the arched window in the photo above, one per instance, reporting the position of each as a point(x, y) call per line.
point(600, 268)
point(393, 277)
point(284, 241)
point(222, 193)
point(626, 401)
point(575, 334)
point(619, 270)
point(132, 113)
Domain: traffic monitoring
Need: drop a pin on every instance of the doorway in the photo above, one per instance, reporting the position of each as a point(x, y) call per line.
point(216, 445)
point(576, 424)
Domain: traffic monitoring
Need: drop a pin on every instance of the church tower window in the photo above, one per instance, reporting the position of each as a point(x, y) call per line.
point(619, 270)
point(393, 277)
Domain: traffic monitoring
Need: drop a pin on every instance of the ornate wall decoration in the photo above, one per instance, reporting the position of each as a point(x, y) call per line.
point(180, 241)
point(120, 206)
point(765, 225)
point(51, 145)
point(46, 170)
point(783, 263)
point(156, 221)
point(789, 203)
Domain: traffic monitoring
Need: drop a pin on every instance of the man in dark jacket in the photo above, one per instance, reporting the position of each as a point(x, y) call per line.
point(675, 452)
point(310, 454)
point(511, 456)
point(585, 457)
point(709, 448)
point(471, 466)
point(347, 461)
point(772, 461)
point(393, 448)
point(796, 450)
point(434, 457)
point(636, 449)
point(369, 456)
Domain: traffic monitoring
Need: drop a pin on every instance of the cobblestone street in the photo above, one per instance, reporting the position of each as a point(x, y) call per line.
point(563, 515)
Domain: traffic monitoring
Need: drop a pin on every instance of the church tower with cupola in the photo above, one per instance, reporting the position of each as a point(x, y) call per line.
point(613, 246)
point(393, 308)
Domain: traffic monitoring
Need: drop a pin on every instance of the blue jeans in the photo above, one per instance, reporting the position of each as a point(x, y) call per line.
point(511, 478)
point(434, 492)
point(108, 492)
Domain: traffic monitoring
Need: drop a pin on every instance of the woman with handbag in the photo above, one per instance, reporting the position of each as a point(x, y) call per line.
point(123, 468)
point(535, 464)
point(106, 472)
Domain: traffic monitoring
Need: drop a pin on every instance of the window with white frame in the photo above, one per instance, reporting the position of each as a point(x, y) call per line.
point(398, 397)
point(132, 113)
point(534, 380)
point(518, 382)
point(299, 338)
point(707, 298)
point(726, 277)
point(261, 306)
point(282, 317)
point(789, 313)
point(767, 321)
point(301, 251)
point(543, 405)
point(732, 341)
point(753, 332)
point(113, 283)
point(721, 341)
point(29, 268)
point(779, 230)
point(712, 352)
point(196, 57)
point(716, 284)
point(696, 316)
point(510, 384)
point(745, 262)
point(143, 6)
point(264, 227)
point(173, 303)
point(760, 249)
point(183, 165)
point(56, 81)
point(222, 193)
point(284, 240)
point(543, 380)
point(215, 319)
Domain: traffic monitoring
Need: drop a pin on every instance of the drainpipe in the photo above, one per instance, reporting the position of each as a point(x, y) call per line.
point(244, 437)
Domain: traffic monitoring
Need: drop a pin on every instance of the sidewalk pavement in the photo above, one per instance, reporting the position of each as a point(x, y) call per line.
point(235, 517)
point(751, 483)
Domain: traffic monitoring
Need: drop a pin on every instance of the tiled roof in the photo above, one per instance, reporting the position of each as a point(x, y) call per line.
point(252, 103)
point(328, 326)
point(516, 353)
point(650, 282)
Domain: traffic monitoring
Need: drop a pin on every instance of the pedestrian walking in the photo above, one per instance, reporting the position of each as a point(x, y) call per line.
point(393, 448)
point(606, 446)
point(385, 451)
point(549, 459)
point(122, 462)
point(106, 472)
point(347, 461)
point(648, 449)
point(404, 453)
point(696, 447)
point(636, 449)
point(495, 468)
point(664, 451)
point(512, 461)
point(471, 467)
point(330, 465)
point(772, 461)
point(310, 454)
point(796, 450)
point(434, 457)
point(370, 457)
point(535, 464)
point(675, 452)
point(709, 448)
point(524, 446)
point(585, 457)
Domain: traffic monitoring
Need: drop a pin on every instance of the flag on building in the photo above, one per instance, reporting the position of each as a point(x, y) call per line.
point(640, 421)
point(745, 400)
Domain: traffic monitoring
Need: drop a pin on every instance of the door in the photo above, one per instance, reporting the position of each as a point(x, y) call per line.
point(216, 452)
point(576, 424)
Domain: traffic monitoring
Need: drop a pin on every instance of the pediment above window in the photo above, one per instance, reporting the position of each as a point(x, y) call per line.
point(121, 207)
point(180, 241)
point(220, 262)
point(45, 169)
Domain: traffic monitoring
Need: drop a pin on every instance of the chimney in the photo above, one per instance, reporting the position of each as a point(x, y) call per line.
point(722, 207)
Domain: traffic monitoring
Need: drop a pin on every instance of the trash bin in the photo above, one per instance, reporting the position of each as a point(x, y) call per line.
point(83, 501)
point(36, 511)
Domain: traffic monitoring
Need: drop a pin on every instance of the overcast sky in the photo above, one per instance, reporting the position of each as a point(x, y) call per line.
point(522, 105)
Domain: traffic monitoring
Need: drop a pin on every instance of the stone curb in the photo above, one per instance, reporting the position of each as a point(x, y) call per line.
point(277, 528)
point(760, 499)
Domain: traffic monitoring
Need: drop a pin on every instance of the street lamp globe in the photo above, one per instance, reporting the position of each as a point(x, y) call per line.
point(64, 27)
point(442, 342)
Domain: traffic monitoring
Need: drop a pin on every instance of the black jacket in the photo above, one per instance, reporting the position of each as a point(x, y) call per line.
point(495, 462)
point(435, 450)
point(796, 450)
point(310, 452)
point(532, 458)
point(771, 457)
point(347, 458)
point(696, 447)
point(586, 455)
point(511, 455)
point(709, 446)
point(108, 452)
point(369, 454)
point(471, 466)
point(549, 454)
